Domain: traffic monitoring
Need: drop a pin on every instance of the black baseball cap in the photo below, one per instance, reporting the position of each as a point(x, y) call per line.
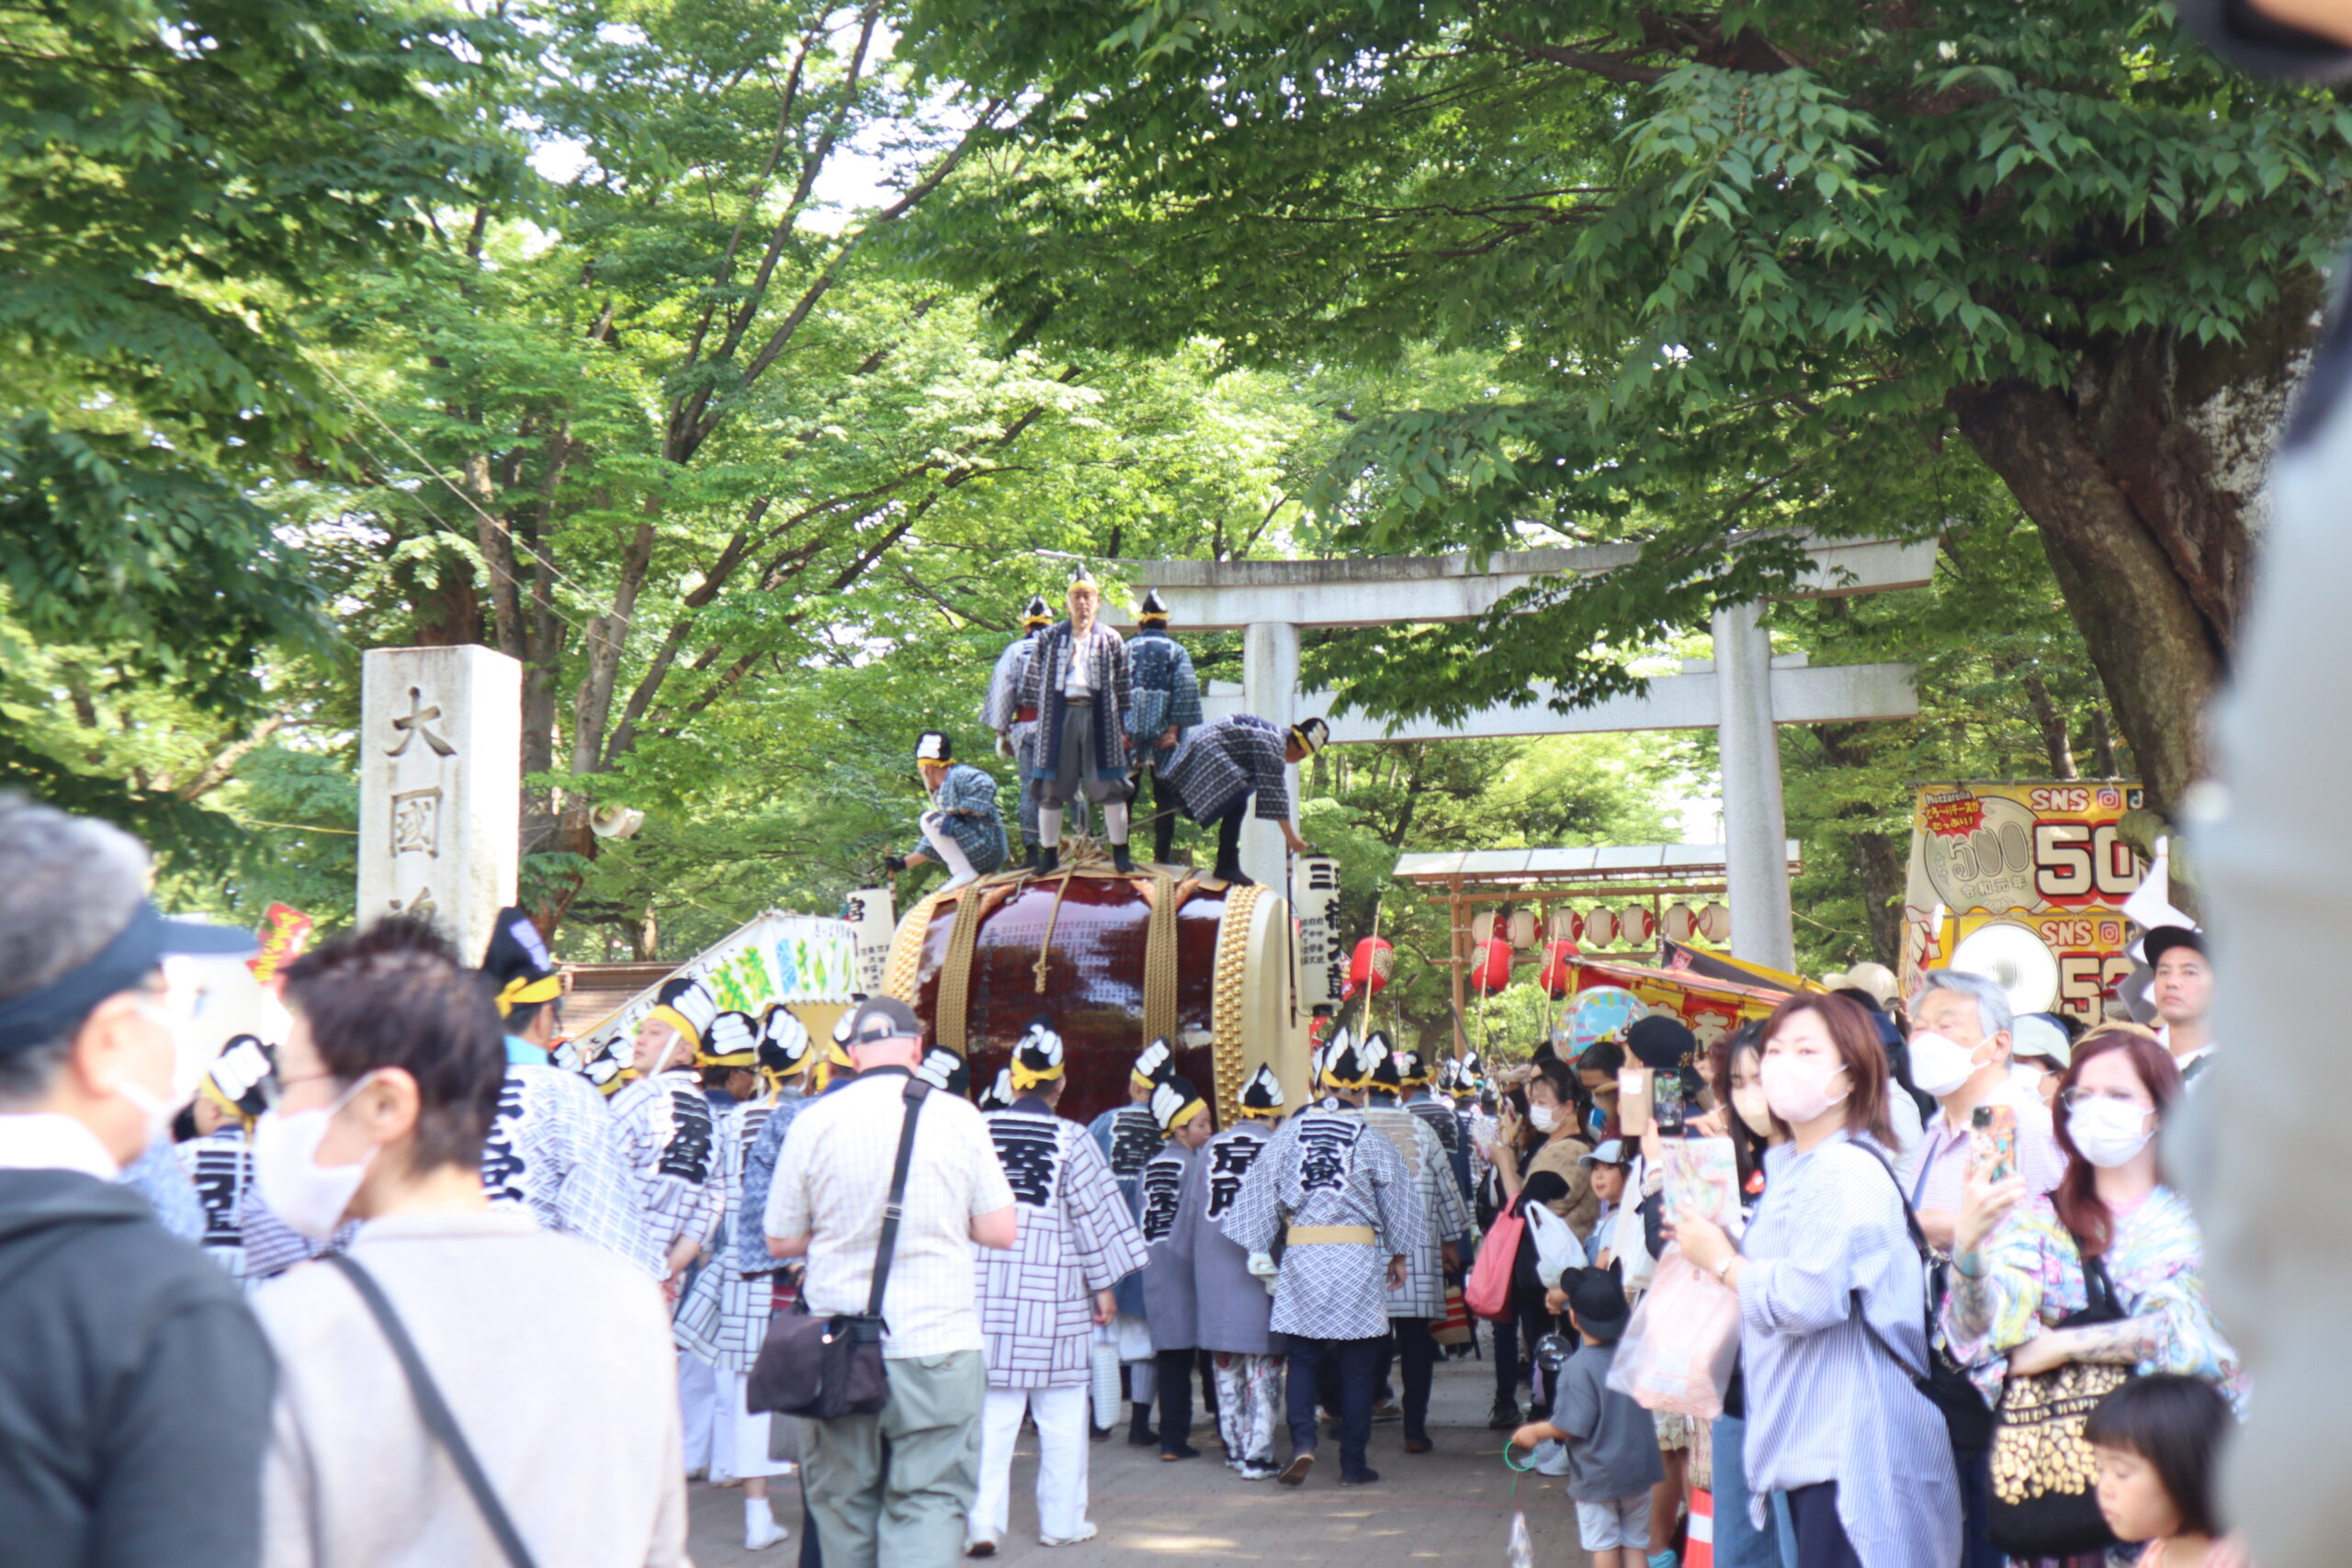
point(2164, 939)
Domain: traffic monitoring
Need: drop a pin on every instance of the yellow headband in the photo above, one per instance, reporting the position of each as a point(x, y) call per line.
point(225, 1103)
point(1024, 1078)
point(677, 1020)
point(522, 990)
point(731, 1059)
point(1192, 1107)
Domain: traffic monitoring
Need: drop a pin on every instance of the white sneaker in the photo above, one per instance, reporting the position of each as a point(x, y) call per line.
point(1085, 1533)
point(760, 1532)
point(1551, 1457)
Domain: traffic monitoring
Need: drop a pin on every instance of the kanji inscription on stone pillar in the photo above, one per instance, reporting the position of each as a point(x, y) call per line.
point(440, 787)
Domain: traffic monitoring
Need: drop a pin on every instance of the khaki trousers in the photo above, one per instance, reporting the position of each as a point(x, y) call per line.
point(893, 1488)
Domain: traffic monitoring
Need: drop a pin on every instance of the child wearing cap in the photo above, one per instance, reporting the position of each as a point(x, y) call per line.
point(1612, 1441)
point(1606, 1166)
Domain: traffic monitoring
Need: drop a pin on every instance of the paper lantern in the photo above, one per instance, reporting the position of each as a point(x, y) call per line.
point(1563, 926)
point(1373, 961)
point(1636, 924)
point(1681, 923)
point(1600, 927)
point(1715, 923)
point(1558, 975)
point(1522, 929)
point(1482, 928)
point(1490, 968)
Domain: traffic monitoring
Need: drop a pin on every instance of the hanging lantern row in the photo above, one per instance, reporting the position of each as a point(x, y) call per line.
point(1631, 926)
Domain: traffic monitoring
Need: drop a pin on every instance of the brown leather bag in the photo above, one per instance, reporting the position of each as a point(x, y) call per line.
point(827, 1367)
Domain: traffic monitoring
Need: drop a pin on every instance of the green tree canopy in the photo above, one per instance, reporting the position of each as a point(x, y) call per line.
point(175, 178)
point(1741, 269)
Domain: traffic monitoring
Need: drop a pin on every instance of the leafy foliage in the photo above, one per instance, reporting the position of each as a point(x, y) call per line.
point(173, 175)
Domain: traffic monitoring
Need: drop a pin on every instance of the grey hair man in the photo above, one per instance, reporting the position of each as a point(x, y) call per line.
point(1961, 1035)
point(139, 1386)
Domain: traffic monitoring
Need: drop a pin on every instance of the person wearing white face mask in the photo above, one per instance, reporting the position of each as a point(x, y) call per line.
point(1832, 1309)
point(2022, 1256)
point(1960, 1048)
point(386, 1087)
point(136, 1383)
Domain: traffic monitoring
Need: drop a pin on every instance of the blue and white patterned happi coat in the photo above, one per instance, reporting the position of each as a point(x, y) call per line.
point(1227, 758)
point(1166, 693)
point(966, 801)
point(1113, 678)
point(1329, 1168)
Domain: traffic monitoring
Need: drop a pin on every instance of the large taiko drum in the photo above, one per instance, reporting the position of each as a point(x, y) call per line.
point(1116, 962)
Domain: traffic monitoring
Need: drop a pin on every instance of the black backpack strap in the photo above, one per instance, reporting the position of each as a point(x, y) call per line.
point(439, 1419)
point(917, 1092)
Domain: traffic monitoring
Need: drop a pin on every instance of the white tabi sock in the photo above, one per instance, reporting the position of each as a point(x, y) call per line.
point(1114, 820)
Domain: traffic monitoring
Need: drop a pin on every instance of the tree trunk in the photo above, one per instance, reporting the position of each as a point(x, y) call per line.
point(2055, 741)
point(1879, 865)
point(2143, 478)
point(2103, 745)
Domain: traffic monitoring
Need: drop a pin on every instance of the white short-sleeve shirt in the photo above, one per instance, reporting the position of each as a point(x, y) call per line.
point(832, 1180)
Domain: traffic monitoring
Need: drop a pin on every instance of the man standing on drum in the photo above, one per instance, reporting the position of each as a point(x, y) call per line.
point(1015, 726)
point(1167, 706)
point(1081, 684)
point(1220, 765)
point(1355, 1215)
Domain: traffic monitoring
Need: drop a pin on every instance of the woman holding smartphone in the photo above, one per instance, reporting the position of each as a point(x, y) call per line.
point(1545, 1150)
point(1832, 1308)
point(2020, 1260)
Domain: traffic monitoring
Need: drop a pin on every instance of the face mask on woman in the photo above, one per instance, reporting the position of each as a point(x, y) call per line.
point(309, 1197)
point(1939, 1065)
point(1544, 1117)
point(2109, 1131)
point(1749, 1101)
point(1797, 1089)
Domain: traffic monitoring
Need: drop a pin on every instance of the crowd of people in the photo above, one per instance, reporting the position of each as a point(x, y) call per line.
point(1955, 1334)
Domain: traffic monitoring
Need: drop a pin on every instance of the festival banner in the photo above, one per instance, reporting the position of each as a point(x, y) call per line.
point(2048, 859)
point(794, 959)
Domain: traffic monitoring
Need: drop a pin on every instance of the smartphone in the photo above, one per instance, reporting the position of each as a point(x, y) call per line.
point(1993, 1134)
point(1632, 1102)
point(1665, 1105)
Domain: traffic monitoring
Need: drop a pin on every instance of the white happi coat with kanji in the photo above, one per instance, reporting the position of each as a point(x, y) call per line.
point(1075, 1237)
point(554, 1148)
point(669, 1144)
point(723, 1318)
point(1330, 1168)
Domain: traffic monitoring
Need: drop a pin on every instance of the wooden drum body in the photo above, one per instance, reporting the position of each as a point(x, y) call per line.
point(1120, 968)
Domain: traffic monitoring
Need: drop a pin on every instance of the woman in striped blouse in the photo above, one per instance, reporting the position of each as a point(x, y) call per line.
point(1832, 1307)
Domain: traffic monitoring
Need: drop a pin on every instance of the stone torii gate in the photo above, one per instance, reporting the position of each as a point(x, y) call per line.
point(1742, 694)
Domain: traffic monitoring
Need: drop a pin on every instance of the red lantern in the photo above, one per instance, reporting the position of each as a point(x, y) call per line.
point(1558, 975)
point(1491, 968)
point(1373, 962)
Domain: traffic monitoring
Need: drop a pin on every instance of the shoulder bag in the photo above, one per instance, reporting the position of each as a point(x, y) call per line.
point(830, 1367)
point(2045, 1498)
point(439, 1419)
point(1967, 1418)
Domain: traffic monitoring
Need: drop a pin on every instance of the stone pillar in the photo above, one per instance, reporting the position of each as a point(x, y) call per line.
point(440, 787)
point(1270, 690)
point(1755, 825)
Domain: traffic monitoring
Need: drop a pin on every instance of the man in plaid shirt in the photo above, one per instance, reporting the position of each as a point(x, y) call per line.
point(1220, 765)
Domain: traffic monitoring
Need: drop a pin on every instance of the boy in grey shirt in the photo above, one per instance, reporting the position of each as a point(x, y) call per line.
point(1612, 1441)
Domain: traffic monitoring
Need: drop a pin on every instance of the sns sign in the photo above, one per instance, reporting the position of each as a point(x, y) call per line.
point(2047, 857)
